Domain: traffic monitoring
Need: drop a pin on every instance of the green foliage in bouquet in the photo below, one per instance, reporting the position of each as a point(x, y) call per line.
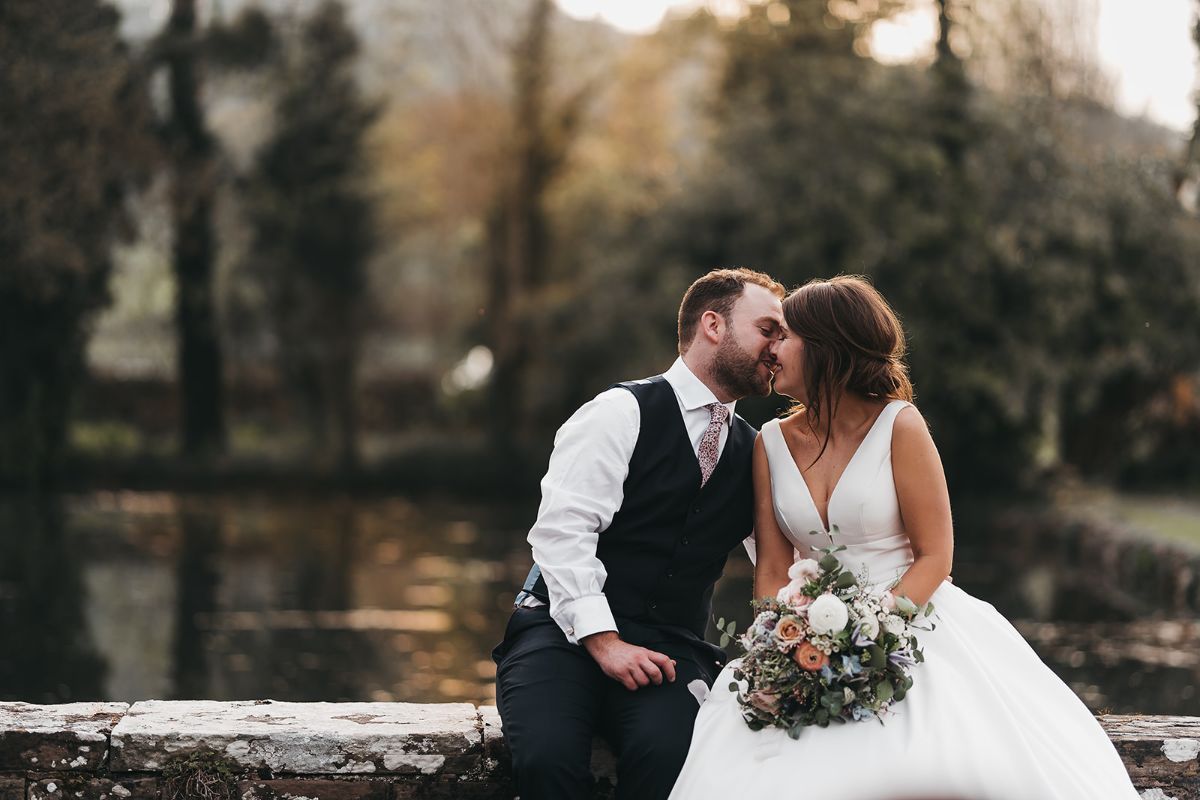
point(825, 650)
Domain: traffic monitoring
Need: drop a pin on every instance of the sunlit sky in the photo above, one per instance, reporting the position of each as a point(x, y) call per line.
point(1150, 55)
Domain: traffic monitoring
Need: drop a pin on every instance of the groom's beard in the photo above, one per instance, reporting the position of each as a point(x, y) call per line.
point(738, 371)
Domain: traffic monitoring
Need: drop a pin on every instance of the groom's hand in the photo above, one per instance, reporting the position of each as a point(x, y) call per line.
point(628, 664)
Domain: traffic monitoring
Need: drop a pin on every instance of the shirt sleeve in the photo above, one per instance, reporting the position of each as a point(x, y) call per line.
point(581, 492)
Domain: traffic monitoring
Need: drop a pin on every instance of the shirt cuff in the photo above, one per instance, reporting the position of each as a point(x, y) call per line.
point(584, 616)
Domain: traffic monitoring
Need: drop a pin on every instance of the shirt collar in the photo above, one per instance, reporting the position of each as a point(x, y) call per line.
point(690, 390)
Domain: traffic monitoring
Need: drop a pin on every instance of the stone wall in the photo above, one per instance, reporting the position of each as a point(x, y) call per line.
point(268, 750)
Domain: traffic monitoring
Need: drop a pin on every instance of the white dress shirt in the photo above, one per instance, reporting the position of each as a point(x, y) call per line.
point(583, 490)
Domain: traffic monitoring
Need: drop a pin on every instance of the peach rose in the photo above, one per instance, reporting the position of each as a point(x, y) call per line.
point(809, 657)
point(788, 631)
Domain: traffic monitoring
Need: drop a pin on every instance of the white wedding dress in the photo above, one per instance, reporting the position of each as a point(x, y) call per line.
point(985, 719)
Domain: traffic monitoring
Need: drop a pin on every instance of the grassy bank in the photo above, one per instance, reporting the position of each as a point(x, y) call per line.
point(1165, 517)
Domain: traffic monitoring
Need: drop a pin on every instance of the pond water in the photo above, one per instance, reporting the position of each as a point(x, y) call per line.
point(137, 595)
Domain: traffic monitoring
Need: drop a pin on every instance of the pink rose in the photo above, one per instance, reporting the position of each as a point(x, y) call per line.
point(888, 601)
point(804, 569)
point(793, 595)
point(764, 701)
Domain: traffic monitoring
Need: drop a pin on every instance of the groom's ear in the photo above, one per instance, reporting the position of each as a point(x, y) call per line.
point(712, 326)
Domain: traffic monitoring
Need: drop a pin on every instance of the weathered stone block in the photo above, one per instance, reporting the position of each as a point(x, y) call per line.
point(303, 738)
point(497, 761)
point(68, 736)
point(83, 787)
point(314, 789)
point(1160, 752)
point(12, 787)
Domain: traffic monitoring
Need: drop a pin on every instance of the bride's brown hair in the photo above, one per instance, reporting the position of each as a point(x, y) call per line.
point(853, 342)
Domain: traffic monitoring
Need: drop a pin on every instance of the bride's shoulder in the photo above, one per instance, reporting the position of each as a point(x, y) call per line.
point(771, 430)
point(909, 426)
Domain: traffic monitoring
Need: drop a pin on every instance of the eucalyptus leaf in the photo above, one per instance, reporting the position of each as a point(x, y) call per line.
point(906, 606)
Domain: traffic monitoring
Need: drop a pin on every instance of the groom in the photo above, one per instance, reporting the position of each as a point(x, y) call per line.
point(648, 489)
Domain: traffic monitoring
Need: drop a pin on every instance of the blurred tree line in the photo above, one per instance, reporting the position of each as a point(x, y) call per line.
point(1047, 275)
point(546, 189)
point(89, 130)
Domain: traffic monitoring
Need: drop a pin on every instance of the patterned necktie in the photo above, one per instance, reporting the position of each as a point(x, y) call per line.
point(708, 452)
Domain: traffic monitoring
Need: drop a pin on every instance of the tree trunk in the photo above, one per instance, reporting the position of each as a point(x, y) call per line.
point(516, 231)
point(1187, 178)
point(200, 374)
point(950, 106)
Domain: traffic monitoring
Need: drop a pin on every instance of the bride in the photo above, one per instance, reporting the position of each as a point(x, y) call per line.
point(985, 719)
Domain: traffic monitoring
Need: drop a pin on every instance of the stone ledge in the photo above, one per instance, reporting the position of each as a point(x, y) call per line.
point(1160, 753)
point(302, 738)
point(70, 736)
point(374, 751)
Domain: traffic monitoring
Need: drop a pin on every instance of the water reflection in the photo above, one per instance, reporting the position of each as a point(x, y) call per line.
point(46, 653)
point(197, 578)
point(128, 596)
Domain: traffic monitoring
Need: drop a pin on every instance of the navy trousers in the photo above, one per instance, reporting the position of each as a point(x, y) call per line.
point(553, 699)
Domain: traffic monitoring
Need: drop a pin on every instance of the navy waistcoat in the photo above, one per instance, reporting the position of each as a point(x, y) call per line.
point(668, 543)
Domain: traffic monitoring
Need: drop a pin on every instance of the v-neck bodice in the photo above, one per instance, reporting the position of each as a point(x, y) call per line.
point(862, 505)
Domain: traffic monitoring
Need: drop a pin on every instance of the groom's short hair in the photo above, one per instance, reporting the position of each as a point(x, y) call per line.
point(718, 291)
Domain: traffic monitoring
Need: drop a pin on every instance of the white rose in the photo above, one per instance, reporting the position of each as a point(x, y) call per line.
point(804, 570)
point(827, 614)
point(870, 625)
point(893, 624)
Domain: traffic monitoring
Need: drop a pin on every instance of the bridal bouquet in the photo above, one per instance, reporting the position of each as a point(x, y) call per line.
point(825, 649)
